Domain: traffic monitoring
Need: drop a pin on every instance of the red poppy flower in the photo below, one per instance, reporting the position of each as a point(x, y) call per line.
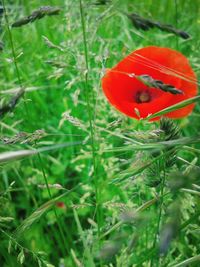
point(131, 96)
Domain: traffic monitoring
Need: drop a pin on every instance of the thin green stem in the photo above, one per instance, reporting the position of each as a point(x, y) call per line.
point(55, 212)
point(155, 245)
point(92, 133)
point(35, 255)
point(176, 17)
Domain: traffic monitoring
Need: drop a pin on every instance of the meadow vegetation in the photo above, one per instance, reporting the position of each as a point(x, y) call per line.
point(82, 184)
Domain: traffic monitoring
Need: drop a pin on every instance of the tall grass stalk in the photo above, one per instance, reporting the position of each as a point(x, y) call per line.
point(157, 232)
point(63, 237)
point(89, 110)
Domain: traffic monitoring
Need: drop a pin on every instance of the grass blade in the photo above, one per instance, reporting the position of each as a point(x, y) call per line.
point(15, 155)
point(80, 231)
point(172, 108)
point(187, 262)
point(36, 215)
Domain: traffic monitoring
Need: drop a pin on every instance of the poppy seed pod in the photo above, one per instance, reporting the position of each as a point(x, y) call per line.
point(138, 100)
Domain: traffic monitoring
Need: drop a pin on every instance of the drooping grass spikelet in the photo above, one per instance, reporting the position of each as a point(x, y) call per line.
point(23, 137)
point(150, 82)
point(147, 24)
point(8, 107)
point(52, 45)
point(37, 14)
point(66, 116)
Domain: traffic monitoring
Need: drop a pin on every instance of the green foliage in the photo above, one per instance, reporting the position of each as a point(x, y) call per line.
point(82, 185)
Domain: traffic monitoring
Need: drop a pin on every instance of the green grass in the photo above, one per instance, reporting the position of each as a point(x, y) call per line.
point(103, 166)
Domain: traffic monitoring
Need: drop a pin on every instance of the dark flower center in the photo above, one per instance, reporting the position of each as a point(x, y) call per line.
point(143, 97)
